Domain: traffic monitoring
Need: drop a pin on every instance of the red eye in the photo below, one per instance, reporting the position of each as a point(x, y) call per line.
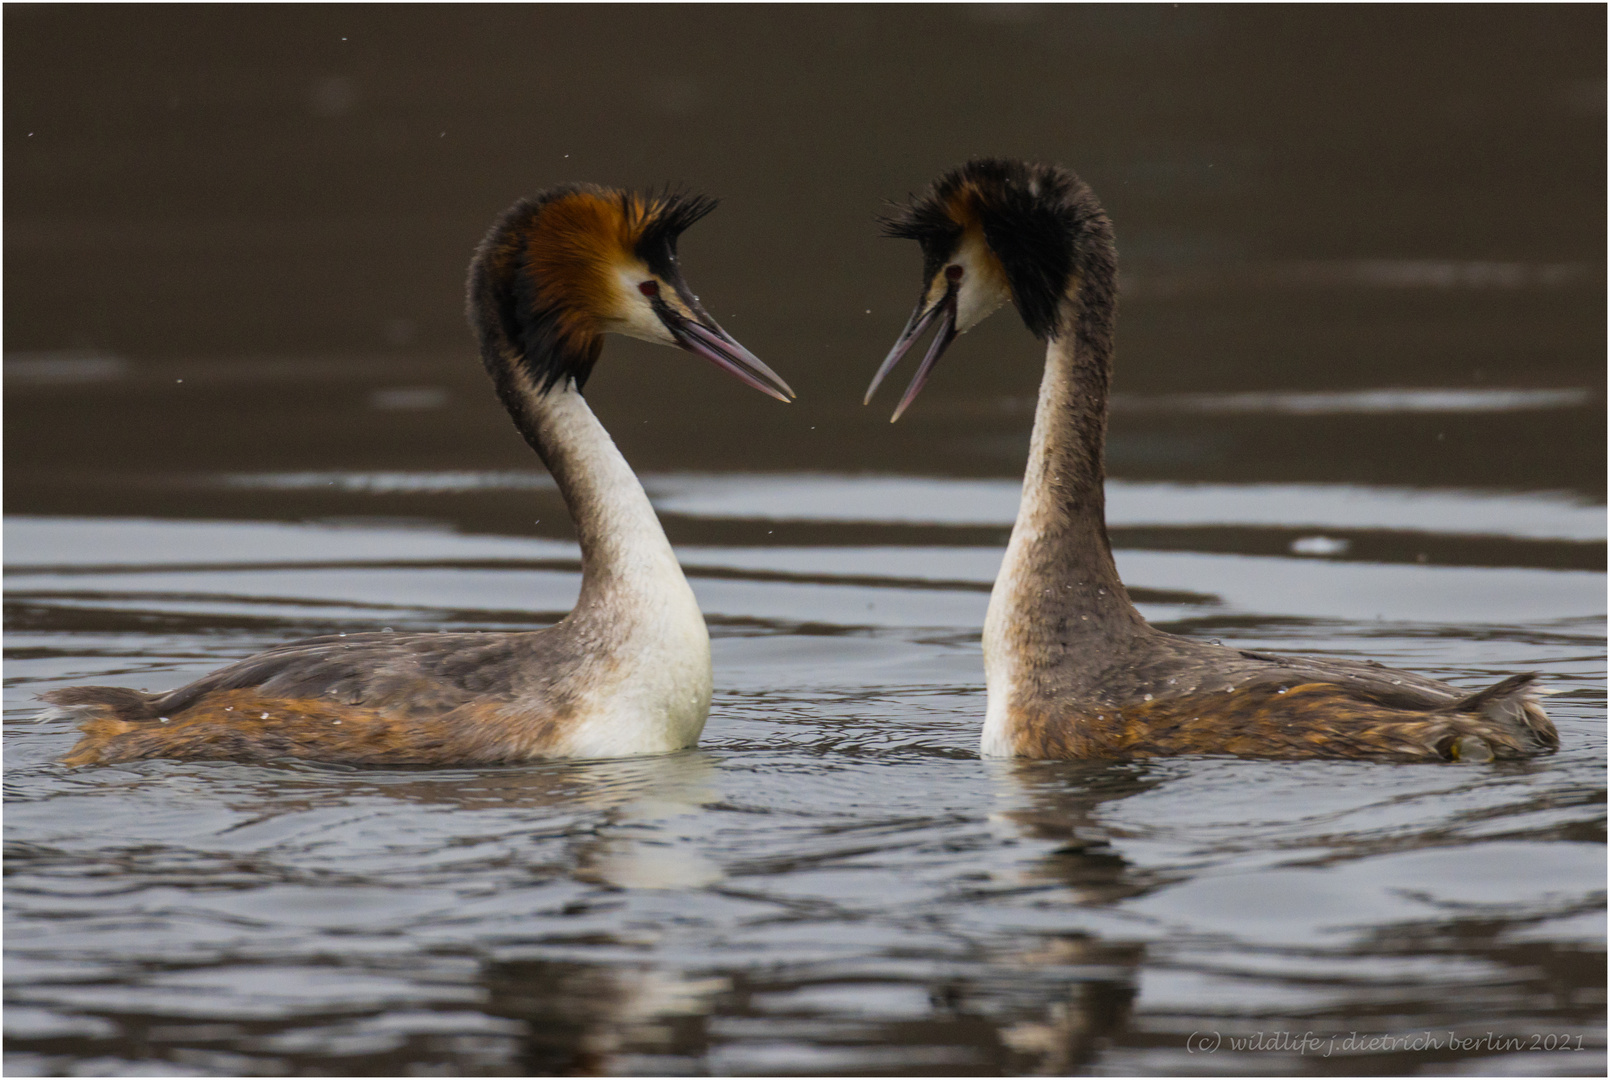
point(649, 288)
point(953, 272)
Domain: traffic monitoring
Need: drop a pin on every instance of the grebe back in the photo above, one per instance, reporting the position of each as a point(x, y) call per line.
point(1071, 668)
point(626, 672)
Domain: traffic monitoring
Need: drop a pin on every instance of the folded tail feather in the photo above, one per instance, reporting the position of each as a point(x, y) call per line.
point(107, 712)
point(1512, 706)
point(113, 702)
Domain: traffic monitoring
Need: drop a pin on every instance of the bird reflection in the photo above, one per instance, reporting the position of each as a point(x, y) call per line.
point(586, 1019)
point(1059, 801)
point(577, 981)
point(618, 808)
point(1052, 1003)
point(1092, 1013)
point(589, 1018)
point(1045, 1005)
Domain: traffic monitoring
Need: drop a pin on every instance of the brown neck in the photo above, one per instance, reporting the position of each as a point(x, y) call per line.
point(1059, 570)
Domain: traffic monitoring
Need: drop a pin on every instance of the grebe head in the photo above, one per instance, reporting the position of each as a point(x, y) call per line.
point(558, 271)
point(995, 230)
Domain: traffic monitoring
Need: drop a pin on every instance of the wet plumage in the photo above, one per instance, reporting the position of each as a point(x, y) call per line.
point(1072, 669)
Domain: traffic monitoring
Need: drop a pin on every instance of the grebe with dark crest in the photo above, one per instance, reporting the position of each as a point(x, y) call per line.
point(1072, 669)
point(627, 672)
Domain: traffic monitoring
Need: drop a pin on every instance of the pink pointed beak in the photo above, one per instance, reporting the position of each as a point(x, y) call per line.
point(944, 313)
point(701, 336)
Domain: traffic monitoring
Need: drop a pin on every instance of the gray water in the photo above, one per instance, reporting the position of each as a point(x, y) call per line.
point(1354, 417)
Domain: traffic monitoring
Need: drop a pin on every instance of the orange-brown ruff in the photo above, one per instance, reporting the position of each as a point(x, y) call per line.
point(1072, 669)
point(626, 672)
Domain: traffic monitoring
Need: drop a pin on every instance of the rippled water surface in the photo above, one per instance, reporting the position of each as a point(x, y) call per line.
point(1353, 417)
point(833, 881)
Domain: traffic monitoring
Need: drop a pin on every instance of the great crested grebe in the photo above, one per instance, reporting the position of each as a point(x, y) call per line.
point(1072, 669)
point(626, 672)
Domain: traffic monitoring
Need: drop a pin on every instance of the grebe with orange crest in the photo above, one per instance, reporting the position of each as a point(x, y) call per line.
point(626, 672)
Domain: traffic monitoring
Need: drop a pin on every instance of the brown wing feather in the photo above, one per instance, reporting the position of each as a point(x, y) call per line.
point(424, 673)
point(241, 725)
point(362, 699)
point(1317, 719)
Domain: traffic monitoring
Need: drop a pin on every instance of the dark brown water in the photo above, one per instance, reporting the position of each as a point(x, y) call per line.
point(1361, 411)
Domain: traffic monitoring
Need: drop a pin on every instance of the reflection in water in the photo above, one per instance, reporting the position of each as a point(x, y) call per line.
point(634, 844)
point(1078, 1028)
point(1042, 1007)
point(1060, 802)
point(624, 813)
point(617, 790)
point(1044, 1012)
point(1089, 983)
point(589, 1019)
point(1448, 975)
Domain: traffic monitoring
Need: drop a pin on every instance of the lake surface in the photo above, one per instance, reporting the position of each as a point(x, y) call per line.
point(1353, 417)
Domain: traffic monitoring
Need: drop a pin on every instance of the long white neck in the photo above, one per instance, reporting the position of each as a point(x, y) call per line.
point(648, 648)
point(624, 550)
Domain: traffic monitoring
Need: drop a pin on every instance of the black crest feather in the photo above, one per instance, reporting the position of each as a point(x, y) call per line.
point(1042, 222)
point(668, 214)
point(926, 221)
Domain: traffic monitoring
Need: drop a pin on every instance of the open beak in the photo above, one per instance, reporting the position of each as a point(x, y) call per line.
point(701, 336)
point(944, 313)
